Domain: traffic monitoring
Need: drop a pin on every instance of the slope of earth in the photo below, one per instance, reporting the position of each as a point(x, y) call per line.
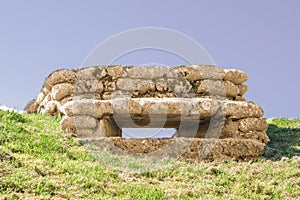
point(38, 161)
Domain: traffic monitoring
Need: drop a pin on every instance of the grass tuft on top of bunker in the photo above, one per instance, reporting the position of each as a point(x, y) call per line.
point(39, 161)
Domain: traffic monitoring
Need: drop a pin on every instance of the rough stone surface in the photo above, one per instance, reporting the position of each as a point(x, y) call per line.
point(52, 108)
point(200, 72)
point(31, 106)
point(78, 122)
point(217, 87)
point(225, 149)
point(227, 129)
point(108, 128)
point(235, 76)
point(61, 91)
point(242, 89)
point(201, 102)
point(157, 107)
point(60, 76)
point(252, 124)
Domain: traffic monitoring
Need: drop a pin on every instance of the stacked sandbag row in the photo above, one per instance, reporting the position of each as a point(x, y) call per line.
point(193, 119)
point(241, 135)
point(107, 82)
point(212, 81)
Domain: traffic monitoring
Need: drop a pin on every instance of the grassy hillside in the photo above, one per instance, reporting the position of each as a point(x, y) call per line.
point(38, 161)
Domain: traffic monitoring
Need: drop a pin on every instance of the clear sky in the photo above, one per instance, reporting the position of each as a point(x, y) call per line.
point(258, 37)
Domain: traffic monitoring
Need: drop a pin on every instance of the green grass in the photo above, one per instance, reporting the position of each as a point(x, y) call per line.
point(38, 161)
point(284, 137)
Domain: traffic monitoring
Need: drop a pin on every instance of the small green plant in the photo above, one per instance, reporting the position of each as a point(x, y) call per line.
point(11, 117)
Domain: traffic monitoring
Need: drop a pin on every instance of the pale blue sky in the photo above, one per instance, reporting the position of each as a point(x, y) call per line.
point(258, 37)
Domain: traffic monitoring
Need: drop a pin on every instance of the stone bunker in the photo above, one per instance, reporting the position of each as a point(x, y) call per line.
point(203, 103)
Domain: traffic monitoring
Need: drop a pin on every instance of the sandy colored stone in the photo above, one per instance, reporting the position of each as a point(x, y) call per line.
point(222, 130)
point(179, 86)
point(239, 98)
point(200, 72)
point(68, 124)
point(243, 109)
point(191, 149)
point(89, 107)
point(89, 80)
point(126, 106)
point(107, 96)
point(141, 85)
point(52, 108)
point(173, 107)
point(79, 107)
point(169, 111)
point(176, 86)
point(45, 90)
point(231, 89)
point(252, 124)
point(116, 72)
point(43, 104)
point(91, 73)
point(235, 76)
point(168, 106)
point(242, 89)
point(72, 124)
point(109, 86)
point(60, 76)
point(86, 121)
point(217, 87)
point(100, 87)
point(85, 133)
point(61, 91)
point(108, 128)
point(103, 108)
point(259, 136)
point(149, 73)
point(31, 107)
point(40, 97)
point(66, 100)
point(161, 85)
point(88, 87)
